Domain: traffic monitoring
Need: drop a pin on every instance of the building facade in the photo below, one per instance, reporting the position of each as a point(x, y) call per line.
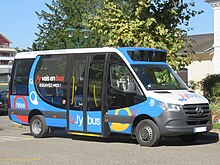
point(206, 49)
point(203, 57)
point(216, 58)
point(7, 55)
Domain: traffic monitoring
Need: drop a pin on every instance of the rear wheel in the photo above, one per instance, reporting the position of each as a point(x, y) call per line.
point(38, 127)
point(147, 133)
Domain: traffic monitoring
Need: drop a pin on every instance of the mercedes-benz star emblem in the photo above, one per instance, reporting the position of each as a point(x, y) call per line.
point(199, 110)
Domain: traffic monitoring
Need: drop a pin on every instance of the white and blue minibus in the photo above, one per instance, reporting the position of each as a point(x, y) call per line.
point(99, 91)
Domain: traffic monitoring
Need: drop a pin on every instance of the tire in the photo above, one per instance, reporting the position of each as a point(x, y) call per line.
point(38, 127)
point(189, 138)
point(147, 133)
point(51, 131)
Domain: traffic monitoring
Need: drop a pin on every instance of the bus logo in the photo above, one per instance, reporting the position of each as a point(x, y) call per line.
point(20, 102)
point(199, 110)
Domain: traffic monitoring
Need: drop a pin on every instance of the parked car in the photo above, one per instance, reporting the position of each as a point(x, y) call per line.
point(3, 102)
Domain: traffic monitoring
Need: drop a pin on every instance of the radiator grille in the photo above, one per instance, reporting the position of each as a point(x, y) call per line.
point(196, 113)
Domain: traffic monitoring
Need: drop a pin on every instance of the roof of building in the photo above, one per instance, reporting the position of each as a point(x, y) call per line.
point(212, 1)
point(201, 44)
point(3, 39)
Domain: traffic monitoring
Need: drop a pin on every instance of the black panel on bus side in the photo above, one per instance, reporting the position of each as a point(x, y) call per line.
point(151, 56)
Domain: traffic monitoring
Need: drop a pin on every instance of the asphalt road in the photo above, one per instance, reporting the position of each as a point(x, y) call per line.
point(17, 146)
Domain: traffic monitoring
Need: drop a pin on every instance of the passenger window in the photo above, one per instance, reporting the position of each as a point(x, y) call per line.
point(51, 79)
point(123, 91)
point(20, 80)
point(121, 79)
point(77, 81)
point(95, 82)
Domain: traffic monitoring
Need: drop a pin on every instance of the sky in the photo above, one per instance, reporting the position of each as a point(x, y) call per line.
point(18, 20)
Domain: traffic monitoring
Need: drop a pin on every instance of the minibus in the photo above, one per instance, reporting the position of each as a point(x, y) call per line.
point(99, 91)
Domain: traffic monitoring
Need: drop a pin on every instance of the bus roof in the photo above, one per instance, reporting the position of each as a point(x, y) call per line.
point(121, 50)
point(34, 54)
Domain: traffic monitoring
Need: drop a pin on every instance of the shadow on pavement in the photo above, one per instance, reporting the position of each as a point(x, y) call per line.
point(205, 138)
point(113, 138)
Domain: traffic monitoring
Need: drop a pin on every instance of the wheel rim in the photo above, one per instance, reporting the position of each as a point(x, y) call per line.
point(146, 133)
point(37, 127)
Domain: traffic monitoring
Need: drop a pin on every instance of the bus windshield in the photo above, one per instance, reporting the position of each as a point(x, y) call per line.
point(159, 77)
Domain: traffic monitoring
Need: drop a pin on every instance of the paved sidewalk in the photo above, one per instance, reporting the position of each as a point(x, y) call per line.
point(215, 131)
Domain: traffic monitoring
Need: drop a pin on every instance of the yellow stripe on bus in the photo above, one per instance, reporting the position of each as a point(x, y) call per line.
point(85, 134)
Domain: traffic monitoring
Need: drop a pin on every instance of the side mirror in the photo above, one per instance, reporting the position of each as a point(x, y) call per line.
point(131, 87)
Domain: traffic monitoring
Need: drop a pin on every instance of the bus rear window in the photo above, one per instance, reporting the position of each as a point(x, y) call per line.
point(152, 56)
point(21, 72)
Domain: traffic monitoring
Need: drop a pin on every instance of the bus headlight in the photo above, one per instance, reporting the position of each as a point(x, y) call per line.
point(169, 107)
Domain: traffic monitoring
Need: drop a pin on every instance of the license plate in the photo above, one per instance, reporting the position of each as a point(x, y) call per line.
point(199, 129)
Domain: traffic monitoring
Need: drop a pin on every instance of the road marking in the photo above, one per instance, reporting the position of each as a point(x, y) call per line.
point(17, 160)
point(13, 138)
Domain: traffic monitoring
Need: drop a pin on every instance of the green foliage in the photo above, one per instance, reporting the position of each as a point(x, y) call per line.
point(194, 85)
point(211, 90)
point(215, 107)
point(22, 50)
point(62, 14)
point(211, 86)
point(142, 23)
point(216, 91)
point(216, 125)
point(145, 23)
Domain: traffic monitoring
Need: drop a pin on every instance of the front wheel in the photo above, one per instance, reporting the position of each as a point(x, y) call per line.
point(38, 127)
point(147, 133)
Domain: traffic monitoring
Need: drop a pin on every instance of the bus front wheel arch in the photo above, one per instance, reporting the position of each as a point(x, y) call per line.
point(38, 126)
point(147, 133)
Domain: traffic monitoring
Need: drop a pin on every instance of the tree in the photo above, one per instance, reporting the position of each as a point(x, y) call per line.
point(146, 23)
point(62, 14)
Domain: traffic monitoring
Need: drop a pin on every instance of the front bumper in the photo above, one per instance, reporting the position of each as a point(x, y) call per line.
point(177, 123)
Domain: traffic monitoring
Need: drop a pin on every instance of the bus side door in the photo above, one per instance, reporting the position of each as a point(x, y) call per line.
point(86, 89)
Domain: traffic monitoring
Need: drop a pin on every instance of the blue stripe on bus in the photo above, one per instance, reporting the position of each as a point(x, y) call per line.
point(54, 122)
